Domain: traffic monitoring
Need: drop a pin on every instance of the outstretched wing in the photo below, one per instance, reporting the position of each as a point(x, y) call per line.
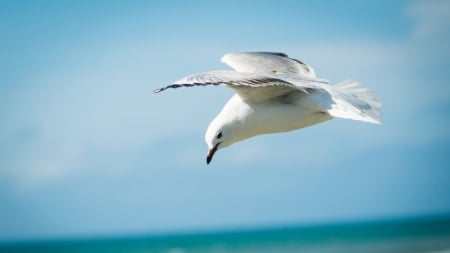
point(266, 62)
point(252, 87)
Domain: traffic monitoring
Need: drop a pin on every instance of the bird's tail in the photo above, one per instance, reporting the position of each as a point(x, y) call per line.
point(352, 100)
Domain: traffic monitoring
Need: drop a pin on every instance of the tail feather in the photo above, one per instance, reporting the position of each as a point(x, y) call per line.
point(352, 100)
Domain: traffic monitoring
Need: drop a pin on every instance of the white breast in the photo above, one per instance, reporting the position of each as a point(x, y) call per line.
point(256, 119)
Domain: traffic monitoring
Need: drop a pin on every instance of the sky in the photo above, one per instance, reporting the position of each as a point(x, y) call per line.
point(86, 148)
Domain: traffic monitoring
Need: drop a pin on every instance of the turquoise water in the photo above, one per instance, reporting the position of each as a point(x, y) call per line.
point(387, 236)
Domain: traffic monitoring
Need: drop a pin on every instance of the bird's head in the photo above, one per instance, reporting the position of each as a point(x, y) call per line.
point(219, 135)
point(230, 126)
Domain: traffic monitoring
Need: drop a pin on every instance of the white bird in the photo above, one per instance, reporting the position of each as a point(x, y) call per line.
point(275, 93)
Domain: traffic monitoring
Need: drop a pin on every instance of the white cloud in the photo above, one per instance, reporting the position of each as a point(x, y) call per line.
point(432, 18)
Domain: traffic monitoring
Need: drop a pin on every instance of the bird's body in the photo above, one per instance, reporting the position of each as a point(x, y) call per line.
point(266, 118)
point(275, 93)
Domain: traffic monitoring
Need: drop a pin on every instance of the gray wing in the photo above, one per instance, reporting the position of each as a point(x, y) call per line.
point(265, 62)
point(250, 86)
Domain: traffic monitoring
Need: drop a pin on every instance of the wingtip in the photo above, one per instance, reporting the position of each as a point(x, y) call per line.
point(158, 90)
point(374, 121)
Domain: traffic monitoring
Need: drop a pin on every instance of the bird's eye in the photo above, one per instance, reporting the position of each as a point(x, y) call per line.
point(219, 135)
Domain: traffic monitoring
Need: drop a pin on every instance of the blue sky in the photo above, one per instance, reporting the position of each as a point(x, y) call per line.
point(86, 149)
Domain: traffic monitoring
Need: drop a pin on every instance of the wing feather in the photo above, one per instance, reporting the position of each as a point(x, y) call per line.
point(267, 62)
point(253, 87)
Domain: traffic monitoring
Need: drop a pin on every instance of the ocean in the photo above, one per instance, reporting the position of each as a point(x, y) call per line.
point(394, 236)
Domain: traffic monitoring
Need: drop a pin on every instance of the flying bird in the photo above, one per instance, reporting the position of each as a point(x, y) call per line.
point(276, 93)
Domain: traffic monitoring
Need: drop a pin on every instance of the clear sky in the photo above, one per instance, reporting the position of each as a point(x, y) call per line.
point(87, 149)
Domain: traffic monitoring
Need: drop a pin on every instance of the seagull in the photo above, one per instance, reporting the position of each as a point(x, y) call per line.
point(274, 94)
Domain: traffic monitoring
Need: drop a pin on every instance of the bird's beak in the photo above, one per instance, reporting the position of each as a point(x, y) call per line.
point(211, 153)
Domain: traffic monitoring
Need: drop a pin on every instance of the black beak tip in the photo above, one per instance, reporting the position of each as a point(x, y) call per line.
point(211, 153)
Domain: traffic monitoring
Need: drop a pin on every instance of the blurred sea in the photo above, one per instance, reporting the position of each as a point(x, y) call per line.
point(395, 236)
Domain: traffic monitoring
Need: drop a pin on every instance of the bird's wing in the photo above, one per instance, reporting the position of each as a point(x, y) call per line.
point(266, 62)
point(252, 87)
